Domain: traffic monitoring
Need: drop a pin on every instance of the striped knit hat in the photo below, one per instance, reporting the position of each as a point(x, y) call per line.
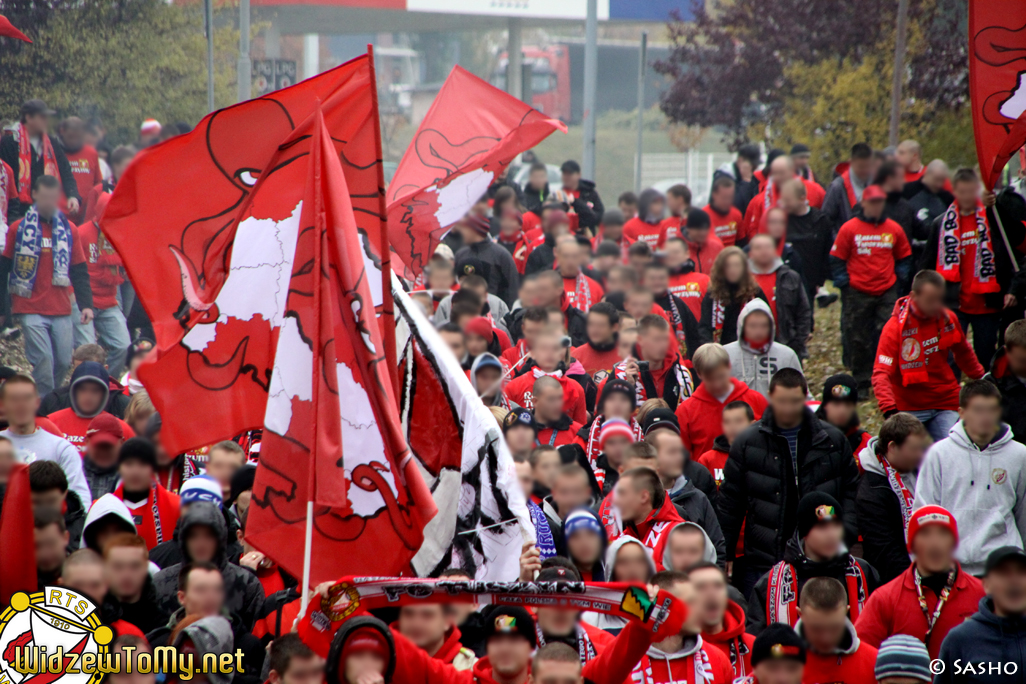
point(902, 656)
point(613, 427)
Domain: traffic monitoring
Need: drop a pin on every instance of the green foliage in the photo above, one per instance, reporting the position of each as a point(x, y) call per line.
point(122, 61)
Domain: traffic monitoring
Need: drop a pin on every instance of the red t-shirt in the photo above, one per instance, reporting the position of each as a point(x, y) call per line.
point(871, 250)
point(691, 288)
point(654, 235)
point(85, 167)
point(47, 299)
point(595, 361)
point(725, 226)
point(768, 284)
point(103, 263)
point(74, 427)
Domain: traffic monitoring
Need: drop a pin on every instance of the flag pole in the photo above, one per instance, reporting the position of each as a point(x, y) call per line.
point(1004, 238)
point(307, 552)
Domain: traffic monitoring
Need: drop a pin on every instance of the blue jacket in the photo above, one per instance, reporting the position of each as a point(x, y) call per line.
point(984, 648)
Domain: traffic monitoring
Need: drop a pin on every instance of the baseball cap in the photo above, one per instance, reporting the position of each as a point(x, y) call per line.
point(510, 621)
point(660, 418)
point(1002, 555)
point(518, 417)
point(105, 429)
point(874, 193)
point(778, 642)
point(35, 106)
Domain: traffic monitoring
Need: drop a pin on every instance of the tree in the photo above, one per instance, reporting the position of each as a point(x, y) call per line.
point(120, 60)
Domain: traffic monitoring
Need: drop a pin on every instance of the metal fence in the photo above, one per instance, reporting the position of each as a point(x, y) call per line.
point(694, 169)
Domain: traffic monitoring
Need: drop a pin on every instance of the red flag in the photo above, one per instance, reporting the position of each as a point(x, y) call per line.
point(472, 131)
point(17, 537)
point(997, 82)
point(331, 430)
point(8, 29)
point(178, 216)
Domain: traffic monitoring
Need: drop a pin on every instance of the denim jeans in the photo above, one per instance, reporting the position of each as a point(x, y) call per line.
point(48, 341)
point(937, 422)
point(108, 329)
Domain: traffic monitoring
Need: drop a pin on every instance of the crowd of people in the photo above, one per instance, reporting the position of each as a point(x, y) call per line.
point(646, 366)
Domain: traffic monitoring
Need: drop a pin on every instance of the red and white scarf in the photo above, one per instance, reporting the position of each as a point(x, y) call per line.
point(719, 313)
point(6, 192)
point(585, 648)
point(921, 338)
point(770, 198)
point(849, 188)
point(538, 373)
point(25, 163)
point(905, 497)
point(592, 450)
point(782, 597)
point(583, 298)
point(703, 673)
point(951, 248)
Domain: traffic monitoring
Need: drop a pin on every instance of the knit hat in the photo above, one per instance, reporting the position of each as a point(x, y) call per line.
point(150, 127)
point(799, 149)
point(518, 417)
point(612, 217)
point(554, 218)
point(815, 508)
point(478, 223)
point(139, 449)
point(902, 656)
point(582, 519)
point(617, 385)
point(660, 418)
point(509, 620)
point(613, 427)
point(840, 387)
point(242, 481)
point(607, 248)
point(931, 515)
point(698, 219)
point(105, 429)
point(201, 488)
point(778, 642)
point(365, 639)
point(481, 327)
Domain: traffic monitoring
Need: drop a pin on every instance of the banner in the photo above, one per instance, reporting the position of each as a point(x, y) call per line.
point(483, 520)
point(17, 536)
point(997, 82)
point(470, 134)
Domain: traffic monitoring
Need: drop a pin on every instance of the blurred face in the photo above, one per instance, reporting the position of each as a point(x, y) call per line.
point(685, 592)
point(135, 677)
point(934, 548)
point(509, 655)
point(631, 564)
point(557, 621)
point(585, 547)
point(455, 342)
point(201, 543)
point(617, 405)
point(1006, 584)
point(242, 502)
point(633, 502)
point(547, 352)
point(135, 475)
point(51, 548)
point(604, 264)
point(776, 223)
point(862, 168)
point(301, 671)
point(982, 416)
point(872, 208)
point(614, 448)
point(568, 255)
point(538, 179)
point(825, 539)
point(654, 344)
point(629, 209)
point(600, 331)
point(687, 547)
point(909, 455)
point(763, 252)
point(221, 465)
point(936, 176)
point(520, 440)
point(52, 499)
point(557, 672)
point(656, 209)
point(790, 201)
point(7, 460)
point(529, 293)
point(656, 280)
point(824, 628)
point(734, 269)
point(20, 403)
point(907, 157)
point(677, 205)
point(788, 405)
point(638, 304)
point(718, 380)
point(440, 278)
point(612, 230)
point(549, 292)
point(571, 180)
point(46, 200)
point(895, 182)
point(676, 253)
point(1016, 362)
point(37, 123)
point(204, 593)
point(929, 300)
point(89, 396)
point(699, 236)
point(548, 404)
point(476, 345)
point(618, 281)
point(525, 477)
point(966, 194)
point(127, 568)
point(73, 136)
point(839, 413)
point(570, 492)
point(86, 578)
point(757, 327)
point(735, 421)
point(711, 588)
point(723, 198)
point(625, 343)
point(424, 625)
point(669, 454)
point(781, 171)
point(547, 466)
point(361, 665)
point(779, 672)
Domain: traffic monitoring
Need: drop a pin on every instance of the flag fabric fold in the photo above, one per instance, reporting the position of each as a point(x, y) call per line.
point(11, 31)
point(17, 537)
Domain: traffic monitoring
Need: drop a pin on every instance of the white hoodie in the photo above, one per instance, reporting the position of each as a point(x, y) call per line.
point(985, 489)
point(753, 368)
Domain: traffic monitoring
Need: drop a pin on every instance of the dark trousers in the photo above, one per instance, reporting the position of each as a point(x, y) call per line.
point(985, 334)
point(866, 315)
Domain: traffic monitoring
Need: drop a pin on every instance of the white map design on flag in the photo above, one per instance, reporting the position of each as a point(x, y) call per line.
point(456, 198)
point(1015, 105)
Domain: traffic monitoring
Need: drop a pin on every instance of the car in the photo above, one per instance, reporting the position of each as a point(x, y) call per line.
point(519, 175)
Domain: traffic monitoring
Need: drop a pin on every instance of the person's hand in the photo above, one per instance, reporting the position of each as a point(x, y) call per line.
point(321, 589)
point(631, 369)
point(252, 560)
point(989, 198)
point(73, 205)
point(370, 678)
point(87, 316)
point(730, 569)
point(1010, 301)
point(530, 562)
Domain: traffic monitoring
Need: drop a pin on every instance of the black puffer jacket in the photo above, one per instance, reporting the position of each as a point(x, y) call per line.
point(880, 520)
point(759, 483)
point(1013, 394)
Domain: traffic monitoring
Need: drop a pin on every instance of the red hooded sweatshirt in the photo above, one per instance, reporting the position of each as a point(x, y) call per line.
point(701, 415)
point(704, 255)
point(651, 530)
point(690, 286)
point(850, 664)
point(695, 662)
point(103, 263)
point(894, 609)
point(733, 641)
point(521, 391)
point(74, 427)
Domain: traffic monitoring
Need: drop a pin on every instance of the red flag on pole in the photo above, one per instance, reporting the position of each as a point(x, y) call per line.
point(470, 134)
point(331, 429)
point(997, 82)
point(17, 537)
point(183, 214)
point(8, 29)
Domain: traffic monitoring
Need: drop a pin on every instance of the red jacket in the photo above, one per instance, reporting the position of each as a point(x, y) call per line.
point(696, 662)
point(612, 665)
point(595, 360)
point(852, 667)
point(570, 288)
point(520, 391)
point(894, 609)
point(564, 435)
point(649, 532)
point(705, 255)
point(701, 415)
point(511, 356)
point(734, 642)
point(941, 392)
point(104, 265)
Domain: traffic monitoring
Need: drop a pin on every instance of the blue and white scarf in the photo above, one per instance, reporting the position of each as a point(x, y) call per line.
point(28, 245)
point(543, 533)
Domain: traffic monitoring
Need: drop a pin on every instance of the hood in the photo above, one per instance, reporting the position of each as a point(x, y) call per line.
point(777, 263)
point(484, 359)
point(203, 513)
point(849, 642)
point(867, 459)
point(958, 436)
point(338, 642)
point(702, 395)
point(733, 625)
point(794, 553)
point(645, 199)
point(89, 371)
point(692, 644)
point(708, 555)
point(210, 635)
point(614, 549)
point(721, 444)
point(756, 304)
point(107, 506)
point(576, 368)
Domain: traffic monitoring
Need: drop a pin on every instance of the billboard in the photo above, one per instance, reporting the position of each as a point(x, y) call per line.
point(539, 9)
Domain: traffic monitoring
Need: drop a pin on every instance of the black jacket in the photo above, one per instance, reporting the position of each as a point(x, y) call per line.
point(881, 525)
point(166, 554)
point(252, 650)
point(9, 153)
point(759, 483)
point(576, 325)
point(927, 204)
point(145, 613)
point(60, 398)
point(806, 570)
point(542, 257)
point(984, 638)
point(74, 519)
point(691, 333)
point(1013, 395)
point(588, 205)
point(811, 236)
point(694, 506)
point(728, 333)
point(493, 263)
point(533, 199)
point(794, 315)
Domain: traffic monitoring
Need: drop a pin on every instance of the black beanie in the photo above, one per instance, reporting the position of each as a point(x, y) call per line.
point(814, 508)
point(623, 387)
point(140, 449)
point(242, 481)
point(840, 387)
point(698, 219)
point(778, 642)
point(512, 620)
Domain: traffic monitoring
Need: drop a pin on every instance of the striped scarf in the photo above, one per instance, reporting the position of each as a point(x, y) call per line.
point(951, 248)
point(782, 596)
point(592, 450)
point(28, 246)
point(582, 293)
point(25, 163)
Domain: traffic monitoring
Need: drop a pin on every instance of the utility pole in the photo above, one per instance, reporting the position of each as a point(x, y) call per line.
point(642, 55)
point(208, 6)
point(899, 71)
point(590, 85)
point(245, 63)
point(515, 58)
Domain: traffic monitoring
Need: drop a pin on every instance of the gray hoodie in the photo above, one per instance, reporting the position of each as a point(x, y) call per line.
point(210, 635)
point(498, 399)
point(753, 368)
point(611, 623)
point(985, 489)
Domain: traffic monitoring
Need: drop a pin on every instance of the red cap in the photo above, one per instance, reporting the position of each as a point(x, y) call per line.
point(366, 639)
point(931, 515)
point(105, 429)
point(481, 327)
point(874, 192)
